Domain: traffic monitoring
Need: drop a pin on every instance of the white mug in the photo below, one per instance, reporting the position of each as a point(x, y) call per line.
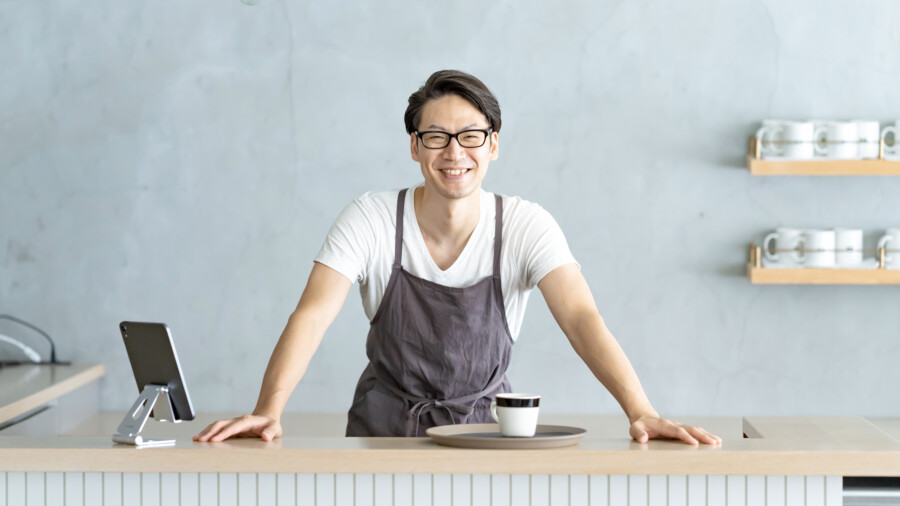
point(837, 140)
point(891, 242)
point(786, 139)
point(517, 414)
point(868, 133)
point(787, 241)
point(848, 245)
point(818, 248)
point(892, 149)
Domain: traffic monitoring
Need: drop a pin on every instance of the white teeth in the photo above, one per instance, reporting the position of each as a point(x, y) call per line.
point(454, 172)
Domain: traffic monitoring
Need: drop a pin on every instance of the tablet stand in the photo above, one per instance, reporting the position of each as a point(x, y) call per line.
point(129, 431)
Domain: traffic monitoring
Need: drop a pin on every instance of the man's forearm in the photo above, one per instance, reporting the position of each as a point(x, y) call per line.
point(290, 358)
point(596, 345)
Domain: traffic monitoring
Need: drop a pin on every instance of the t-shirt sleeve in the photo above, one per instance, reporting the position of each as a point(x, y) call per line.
point(350, 243)
point(542, 245)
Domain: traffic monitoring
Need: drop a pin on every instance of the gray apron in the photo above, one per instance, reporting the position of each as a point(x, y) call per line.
point(437, 354)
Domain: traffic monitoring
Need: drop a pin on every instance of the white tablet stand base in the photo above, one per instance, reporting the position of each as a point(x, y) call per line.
point(153, 396)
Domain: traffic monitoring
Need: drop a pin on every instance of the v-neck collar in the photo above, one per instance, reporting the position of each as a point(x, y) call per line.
point(420, 239)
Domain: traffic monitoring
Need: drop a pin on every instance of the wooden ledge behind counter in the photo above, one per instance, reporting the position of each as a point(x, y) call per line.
point(845, 446)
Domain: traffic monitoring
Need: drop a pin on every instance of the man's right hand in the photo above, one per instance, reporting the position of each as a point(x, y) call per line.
point(242, 426)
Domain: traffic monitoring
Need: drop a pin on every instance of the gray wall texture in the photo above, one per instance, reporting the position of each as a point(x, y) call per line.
point(182, 162)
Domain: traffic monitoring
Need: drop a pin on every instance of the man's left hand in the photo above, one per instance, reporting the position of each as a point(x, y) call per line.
point(648, 427)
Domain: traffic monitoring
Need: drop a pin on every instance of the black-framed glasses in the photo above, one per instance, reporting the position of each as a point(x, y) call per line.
point(435, 139)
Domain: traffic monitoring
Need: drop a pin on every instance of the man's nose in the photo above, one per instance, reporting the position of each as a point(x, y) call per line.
point(454, 151)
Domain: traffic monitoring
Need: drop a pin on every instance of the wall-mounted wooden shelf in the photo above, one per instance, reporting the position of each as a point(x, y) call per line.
point(760, 275)
point(766, 167)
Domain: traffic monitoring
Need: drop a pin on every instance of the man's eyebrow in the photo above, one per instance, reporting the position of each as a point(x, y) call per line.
point(438, 127)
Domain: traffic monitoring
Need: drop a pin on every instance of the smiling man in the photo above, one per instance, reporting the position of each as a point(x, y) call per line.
point(445, 270)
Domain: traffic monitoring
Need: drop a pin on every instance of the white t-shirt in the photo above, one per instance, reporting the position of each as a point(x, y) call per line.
point(360, 245)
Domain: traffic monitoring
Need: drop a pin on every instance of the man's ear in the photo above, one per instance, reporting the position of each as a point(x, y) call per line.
point(414, 146)
point(495, 145)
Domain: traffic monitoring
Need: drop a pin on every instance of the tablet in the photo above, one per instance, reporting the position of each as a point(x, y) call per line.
point(151, 352)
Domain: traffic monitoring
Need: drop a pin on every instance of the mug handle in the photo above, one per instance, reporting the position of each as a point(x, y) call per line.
point(771, 256)
point(494, 411)
point(798, 257)
point(761, 135)
point(884, 133)
point(817, 144)
point(883, 242)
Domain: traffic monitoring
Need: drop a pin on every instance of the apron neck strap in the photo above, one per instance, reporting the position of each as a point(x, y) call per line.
point(498, 233)
point(398, 240)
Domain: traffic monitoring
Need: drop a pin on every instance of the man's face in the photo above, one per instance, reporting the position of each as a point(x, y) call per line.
point(453, 114)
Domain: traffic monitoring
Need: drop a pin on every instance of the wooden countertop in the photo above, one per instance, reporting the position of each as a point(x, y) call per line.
point(848, 446)
point(26, 387)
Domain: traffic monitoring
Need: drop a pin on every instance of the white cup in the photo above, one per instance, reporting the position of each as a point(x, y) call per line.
point(786, 139)
point(818, 248)
point(837, 140)
point(787, 241)
point(892, 148)
point(868, 133)
point(848, 245)
point(517, 414)
point(891, 242)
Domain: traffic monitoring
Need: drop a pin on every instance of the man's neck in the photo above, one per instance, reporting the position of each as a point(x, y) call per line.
point(443, 220)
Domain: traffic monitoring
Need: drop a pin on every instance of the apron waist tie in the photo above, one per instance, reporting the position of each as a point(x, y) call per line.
point(464, 405)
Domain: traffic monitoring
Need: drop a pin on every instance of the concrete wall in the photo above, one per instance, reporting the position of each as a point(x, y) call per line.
point(182, 162)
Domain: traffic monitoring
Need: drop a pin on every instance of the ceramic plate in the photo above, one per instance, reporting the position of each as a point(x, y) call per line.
point(487, 435)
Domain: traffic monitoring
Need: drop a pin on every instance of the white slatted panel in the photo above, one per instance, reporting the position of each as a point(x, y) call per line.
point(287, 488)
point(481, 490)
point(93, 488)
point(559, 489)
point(267, 489)
point(189, 484)
point(834, 490)
point(756, 491)
point(500, 490)
point(737, 489)
point(696, 490)
point(677, 486)
point(421, 489)
point(384, 489)
point(325, 490)
point(815, 491)
point(715, 490)
point(795, 490)
point(150, 487)
point(306, 489)
point(34, 482)
point(462, 489)
point(209, 489)
point(246, 489)
point(618, 489)
point(364, 487)
point(540, 490)
point(228, 489)
point(343, 489)
point(578, 490)
point(169, 486)
point(15, 488)
point(637, 490)
point(657, 489)
point(775, 491)
point(441, 488)
point(403, 492)
point(55, 490)
point(598, 490)
point(74, 490)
